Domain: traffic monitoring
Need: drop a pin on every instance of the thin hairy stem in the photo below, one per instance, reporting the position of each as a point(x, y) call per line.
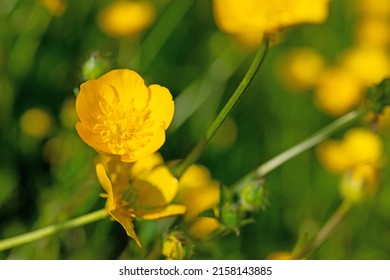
point(197, 151)
point(50, 230)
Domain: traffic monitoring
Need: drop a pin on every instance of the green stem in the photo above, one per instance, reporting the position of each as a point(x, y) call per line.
point(212, 82)
point(196, 152)
point(50, 230)
point(340, 213)
point(307, 144)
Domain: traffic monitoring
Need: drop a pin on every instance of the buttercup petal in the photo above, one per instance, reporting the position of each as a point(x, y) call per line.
point(161, 104)
point(203, 226)
point(91, 139)
point(170, 210)
point(106, 184)
point(127, 222)
point(87, 102)
point(146, 165)
point(197, 191)
point(164, 181)
point(127, 86)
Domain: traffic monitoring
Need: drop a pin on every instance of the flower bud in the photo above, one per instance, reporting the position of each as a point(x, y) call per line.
point(231, 216)
point(359, 183)
point(253, 196)
point(176, 246)
point(94, 67)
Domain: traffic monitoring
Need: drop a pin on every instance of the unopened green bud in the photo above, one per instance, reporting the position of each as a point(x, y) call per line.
point(176, 246)
point(94, 67)
point(231, 217)
point(253, 196)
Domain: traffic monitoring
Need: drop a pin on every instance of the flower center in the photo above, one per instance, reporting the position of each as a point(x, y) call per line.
point(123, 129)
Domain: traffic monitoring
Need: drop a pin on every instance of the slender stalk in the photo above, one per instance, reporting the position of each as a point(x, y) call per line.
point(211, 82)
point(50, 230)
point(307, 144)
point(340, 213)
point(226, 110)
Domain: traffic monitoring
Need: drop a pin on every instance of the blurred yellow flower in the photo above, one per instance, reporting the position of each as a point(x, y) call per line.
point(142, 189)
point(36, 122)
point(301, 68)
point(121, 116)
point(126, 18)
point(198, 192)
point(358, 157)
point(333, 157)
point(172, 247)
point(369, 64)
point(374, 8)
point(363, 146)
point(338, 91)
point(203, 226)
point(55, 7)
point(373, 32)
point(358, 146)
point(263, 16)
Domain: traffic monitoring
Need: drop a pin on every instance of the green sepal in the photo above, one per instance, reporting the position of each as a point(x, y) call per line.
point(378, 97)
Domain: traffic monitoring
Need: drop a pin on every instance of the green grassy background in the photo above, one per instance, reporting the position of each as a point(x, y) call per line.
point(40, 66)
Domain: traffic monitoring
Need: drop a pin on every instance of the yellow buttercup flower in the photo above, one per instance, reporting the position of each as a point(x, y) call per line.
point(198, 192)
point(121, 116)
point(301, 68)
point(358, 157)
point(358, 146)
point(338, 91)
point(373, 32)
point(262, 16)
point(333, 157)
point(172, 248)
point(374, 8)
point(369, 64)
point(363, 146)
point(144, 189)
point(126, 18)
point(176, 246)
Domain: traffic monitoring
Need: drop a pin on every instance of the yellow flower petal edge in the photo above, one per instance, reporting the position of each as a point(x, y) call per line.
point(121, 116)
point(170, 210)
point(123, 218)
